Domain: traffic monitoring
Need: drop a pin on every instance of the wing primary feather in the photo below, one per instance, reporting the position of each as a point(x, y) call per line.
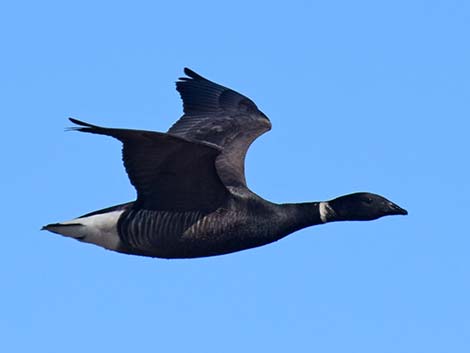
point(87, 127)
point(193, 75)
point(81, 123)
point(127, 134)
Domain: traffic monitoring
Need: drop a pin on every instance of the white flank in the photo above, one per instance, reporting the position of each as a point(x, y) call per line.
point(323, 207)
point(100, 229)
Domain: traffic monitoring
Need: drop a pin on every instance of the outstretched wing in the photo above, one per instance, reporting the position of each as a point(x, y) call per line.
point(219, 115)
point(168, 172)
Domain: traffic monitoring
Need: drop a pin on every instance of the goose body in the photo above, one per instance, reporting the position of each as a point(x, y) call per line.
point(192, 197)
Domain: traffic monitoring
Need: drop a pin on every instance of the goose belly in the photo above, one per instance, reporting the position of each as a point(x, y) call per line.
point(188, 234)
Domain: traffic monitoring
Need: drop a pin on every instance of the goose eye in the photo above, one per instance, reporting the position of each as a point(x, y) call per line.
point(368, 201)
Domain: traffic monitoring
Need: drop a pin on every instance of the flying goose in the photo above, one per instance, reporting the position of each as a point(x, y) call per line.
point(192, 196)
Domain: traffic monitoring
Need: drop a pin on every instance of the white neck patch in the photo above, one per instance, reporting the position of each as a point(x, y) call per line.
point(324, 211)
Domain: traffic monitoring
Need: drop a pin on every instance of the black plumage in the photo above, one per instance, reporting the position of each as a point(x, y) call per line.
point(192, 198)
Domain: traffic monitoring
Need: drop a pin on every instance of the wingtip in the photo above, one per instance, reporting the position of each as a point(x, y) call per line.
point(83, 126)
point(190, 73)
point(79, 122)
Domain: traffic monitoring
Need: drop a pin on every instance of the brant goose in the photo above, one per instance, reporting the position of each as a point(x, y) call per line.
point(192, 197)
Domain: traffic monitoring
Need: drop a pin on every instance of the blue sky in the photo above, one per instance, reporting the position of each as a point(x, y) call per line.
point(363, 96)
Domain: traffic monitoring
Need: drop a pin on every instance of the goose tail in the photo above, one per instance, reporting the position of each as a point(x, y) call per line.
point(69, 229)
point(96, 228)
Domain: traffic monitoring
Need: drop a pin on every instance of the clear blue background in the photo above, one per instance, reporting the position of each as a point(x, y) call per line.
point(363, 95)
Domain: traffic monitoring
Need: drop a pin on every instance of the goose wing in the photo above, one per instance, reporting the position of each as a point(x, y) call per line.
point(219, 115)
point(168, 172)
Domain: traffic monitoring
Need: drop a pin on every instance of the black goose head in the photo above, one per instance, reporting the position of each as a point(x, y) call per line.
point(363, 206)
